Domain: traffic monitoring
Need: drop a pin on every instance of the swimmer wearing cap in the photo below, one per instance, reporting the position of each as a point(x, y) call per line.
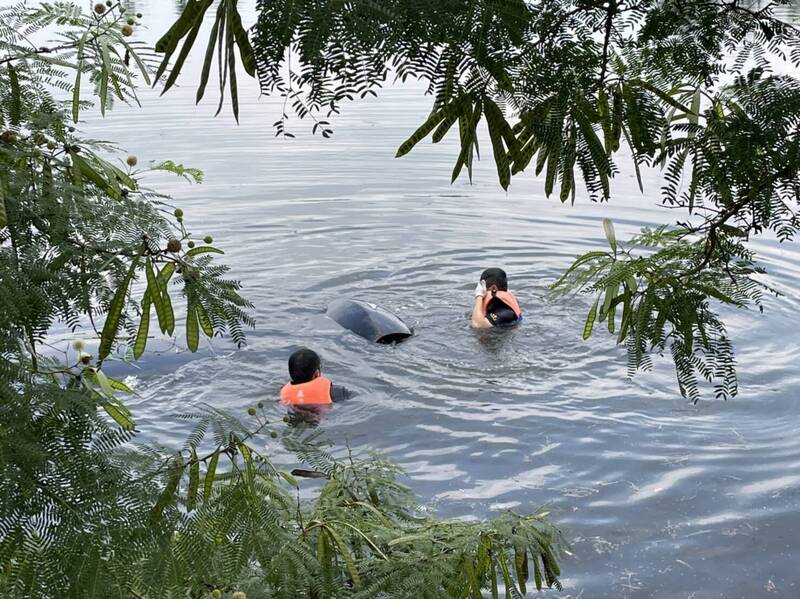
point(495, 305)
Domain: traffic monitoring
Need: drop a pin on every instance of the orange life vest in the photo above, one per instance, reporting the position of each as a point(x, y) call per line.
point(504, 296)
point(316, 392)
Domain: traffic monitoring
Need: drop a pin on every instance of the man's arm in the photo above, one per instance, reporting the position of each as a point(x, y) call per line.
point(478, 320)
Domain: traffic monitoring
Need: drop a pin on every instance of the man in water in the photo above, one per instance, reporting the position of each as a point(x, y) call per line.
point(495, 305)
point(308, 388)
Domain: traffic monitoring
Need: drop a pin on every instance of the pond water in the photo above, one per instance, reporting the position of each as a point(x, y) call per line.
point(659, 498)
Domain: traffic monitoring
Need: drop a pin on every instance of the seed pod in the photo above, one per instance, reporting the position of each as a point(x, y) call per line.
point(100, 9)
point(174, 246)
point(132, 160)
point(127, 30)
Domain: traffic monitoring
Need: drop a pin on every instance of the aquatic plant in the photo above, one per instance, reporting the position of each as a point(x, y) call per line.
point(564, 87)
point(87, 255)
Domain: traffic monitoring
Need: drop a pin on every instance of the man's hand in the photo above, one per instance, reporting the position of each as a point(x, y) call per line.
point(480, 288)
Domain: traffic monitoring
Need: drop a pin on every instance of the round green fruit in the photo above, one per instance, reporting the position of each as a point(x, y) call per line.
point(208, 239)
point(178, 212)
point(251, 411)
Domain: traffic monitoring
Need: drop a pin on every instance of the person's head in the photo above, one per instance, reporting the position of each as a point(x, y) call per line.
point(304, 366)
point(495, 277)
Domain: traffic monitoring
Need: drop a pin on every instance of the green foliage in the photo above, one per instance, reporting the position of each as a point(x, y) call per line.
point(86, 249)
point(656, 294)
point(227, 35)
point(566, 87)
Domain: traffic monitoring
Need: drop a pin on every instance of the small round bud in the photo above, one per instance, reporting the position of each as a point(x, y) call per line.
point(138, 15)
point(174, 246)
point(51, 145)
point(122, 9)
point(179, 219)
point(208, 239)
point(127, 30)
point(251, 411)
point(109, 3)
point(79, 345)
point(239, 595)
point(38, 138)
point(100, 9)
point(190, 244)
point(286, 418)
point(132, 160)
point(8, 137)
point(261, 404)
point(178, 212)
point(274, 434)
point(130, 21)
point(216, 594)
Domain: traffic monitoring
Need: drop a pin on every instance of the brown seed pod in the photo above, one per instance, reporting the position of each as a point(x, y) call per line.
point(100, 9)
point(8, 137)
point(132, 160)
point(174, 246)
point(127, 30)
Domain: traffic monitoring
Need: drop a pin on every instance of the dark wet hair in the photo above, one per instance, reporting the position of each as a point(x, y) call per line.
point(302, 365)
point(496, 277)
